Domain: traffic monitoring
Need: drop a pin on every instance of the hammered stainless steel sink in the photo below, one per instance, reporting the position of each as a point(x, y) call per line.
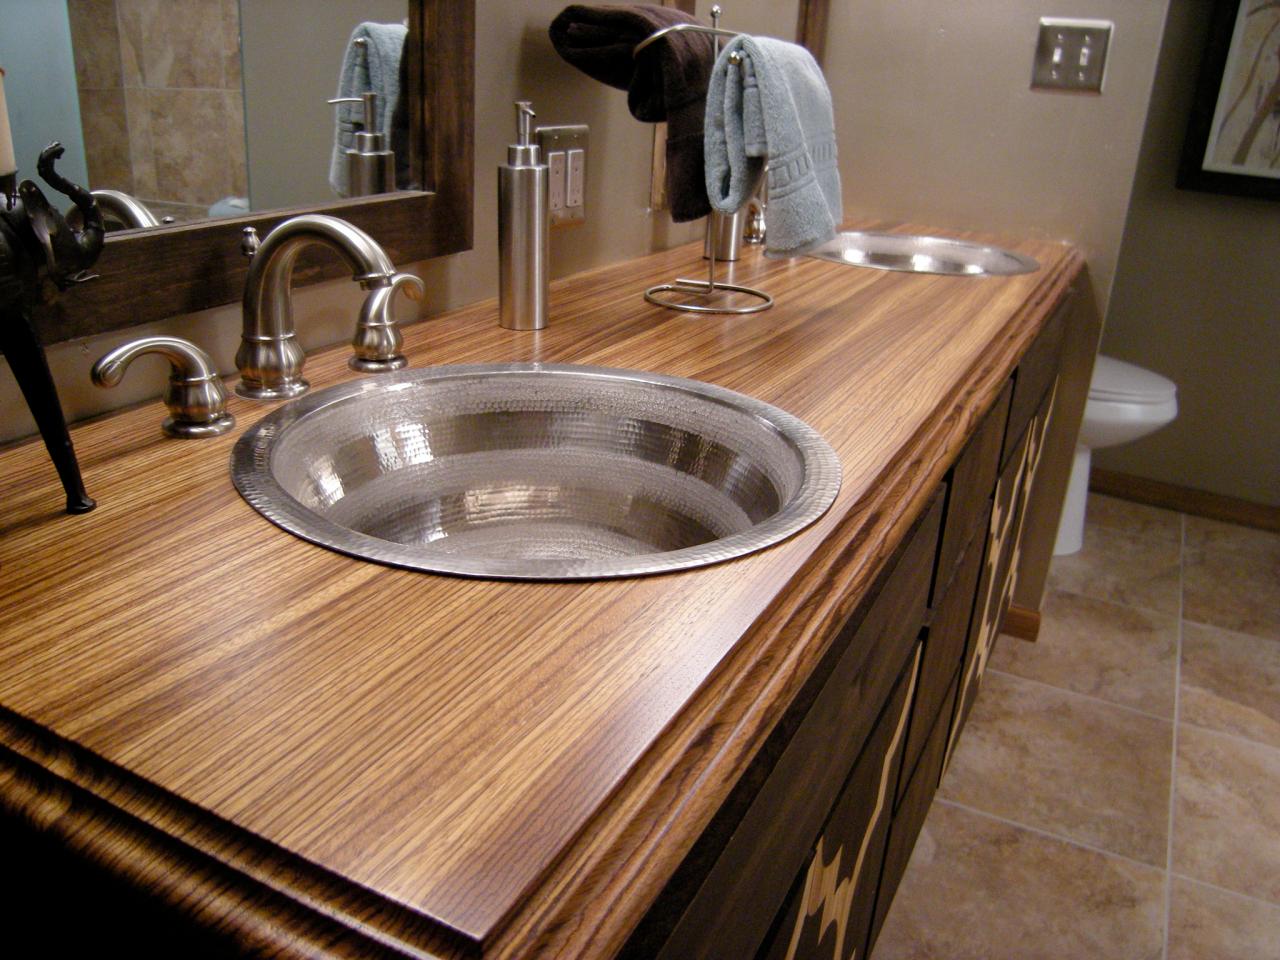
point(536, 471)
point(922, 254)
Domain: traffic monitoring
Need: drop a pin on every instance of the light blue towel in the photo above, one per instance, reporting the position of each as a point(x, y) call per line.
point(774, 107)
point(379, 71)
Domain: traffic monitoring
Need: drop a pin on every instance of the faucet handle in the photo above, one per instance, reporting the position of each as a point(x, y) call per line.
point(195, 396)
point(249, 242)
point(377, 342)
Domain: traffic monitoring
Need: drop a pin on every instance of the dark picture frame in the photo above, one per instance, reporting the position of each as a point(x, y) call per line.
point(1229, 129)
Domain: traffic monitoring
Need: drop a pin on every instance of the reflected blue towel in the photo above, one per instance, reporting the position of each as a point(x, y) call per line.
point(774, 107)
point(379, 72)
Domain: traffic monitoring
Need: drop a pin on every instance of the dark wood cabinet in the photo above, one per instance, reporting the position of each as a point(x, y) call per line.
point(727, 893)
point(1000, 568)
point(910, 815)
point(804, 859)
point(830, 908)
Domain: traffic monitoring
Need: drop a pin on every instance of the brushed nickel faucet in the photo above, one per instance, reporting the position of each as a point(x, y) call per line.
point(269, 358)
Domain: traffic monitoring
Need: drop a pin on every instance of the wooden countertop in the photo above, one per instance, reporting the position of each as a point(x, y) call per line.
point(192, 696)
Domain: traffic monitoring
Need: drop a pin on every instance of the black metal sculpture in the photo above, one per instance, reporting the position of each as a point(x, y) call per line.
point(39, 249)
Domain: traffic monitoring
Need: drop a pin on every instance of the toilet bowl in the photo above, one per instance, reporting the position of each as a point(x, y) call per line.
point(1125, 403)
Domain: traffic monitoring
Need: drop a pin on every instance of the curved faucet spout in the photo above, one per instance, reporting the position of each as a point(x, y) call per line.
point(269, 358)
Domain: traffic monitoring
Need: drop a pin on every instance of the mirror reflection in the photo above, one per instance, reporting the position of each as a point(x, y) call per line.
point(206, 108)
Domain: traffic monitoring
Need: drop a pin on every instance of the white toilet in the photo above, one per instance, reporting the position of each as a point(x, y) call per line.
point(1125, 403)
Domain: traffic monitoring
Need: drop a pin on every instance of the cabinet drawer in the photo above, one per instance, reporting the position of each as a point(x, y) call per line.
point(969, 492)
point(999, 569)
point(828, 912)
point(907, 822)
point(944, 652)
point(1035, 373)
point(729, 887)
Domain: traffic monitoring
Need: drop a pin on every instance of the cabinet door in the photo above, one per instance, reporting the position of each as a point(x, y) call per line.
point(944, 652)
point(969, 488)
point(829, 911)
point(730, 886)
point(1000, 569)
point(909, 819)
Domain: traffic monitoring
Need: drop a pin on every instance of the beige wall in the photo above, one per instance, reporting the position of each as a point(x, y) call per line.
point(1197, 298)
point(938, 125)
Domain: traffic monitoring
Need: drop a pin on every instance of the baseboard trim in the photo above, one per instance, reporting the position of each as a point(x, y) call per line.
point(1021, 622)
point(1199, 503)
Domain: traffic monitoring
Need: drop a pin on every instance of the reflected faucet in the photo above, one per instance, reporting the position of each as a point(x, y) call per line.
point(121, 207)
point(269, 358)
point(130, 211)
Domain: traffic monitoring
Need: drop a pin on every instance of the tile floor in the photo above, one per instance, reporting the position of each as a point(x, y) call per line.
point(1116, 793)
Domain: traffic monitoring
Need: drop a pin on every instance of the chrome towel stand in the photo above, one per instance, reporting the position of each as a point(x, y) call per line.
point(702, 288)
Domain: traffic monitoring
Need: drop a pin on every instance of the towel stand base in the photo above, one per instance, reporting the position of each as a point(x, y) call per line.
point(706, 288)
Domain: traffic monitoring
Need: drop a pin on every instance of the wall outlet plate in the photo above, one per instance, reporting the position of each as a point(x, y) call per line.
point(564, 151)
point(1071, 54)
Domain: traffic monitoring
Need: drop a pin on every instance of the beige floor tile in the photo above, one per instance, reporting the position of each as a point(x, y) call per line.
point(1135, 518)
point(1122, 567)
point(1262, 545)
point(1208, 924)
point(977, 889)
point(1076, 767)
point(1231, 682)
point(1123, 654)
point(1226, 823)
point(1238, 589)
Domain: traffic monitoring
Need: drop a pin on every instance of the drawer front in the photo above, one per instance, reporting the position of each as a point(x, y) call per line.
point(743, 866)
point(944, 651)
point(969, 492)
point(828, 914)
point(1000, 569)
point(1036, 372)
point(910, 817)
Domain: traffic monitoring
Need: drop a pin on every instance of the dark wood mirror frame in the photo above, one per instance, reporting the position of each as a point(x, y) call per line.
point(148, 275)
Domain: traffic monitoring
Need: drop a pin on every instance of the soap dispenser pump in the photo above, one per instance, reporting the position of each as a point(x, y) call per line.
point(371, 166)
point(523, 230)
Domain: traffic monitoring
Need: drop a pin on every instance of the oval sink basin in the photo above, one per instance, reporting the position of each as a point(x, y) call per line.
point(919, 254)
point(536, 472)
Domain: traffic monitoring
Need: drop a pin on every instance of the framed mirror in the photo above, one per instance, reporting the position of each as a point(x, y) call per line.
point(152, 273)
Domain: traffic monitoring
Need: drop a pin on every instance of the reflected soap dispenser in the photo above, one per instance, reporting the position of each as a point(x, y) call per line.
point(371, 166)
point(523, 230)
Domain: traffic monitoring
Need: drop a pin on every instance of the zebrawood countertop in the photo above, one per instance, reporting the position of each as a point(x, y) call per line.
point(236, 719)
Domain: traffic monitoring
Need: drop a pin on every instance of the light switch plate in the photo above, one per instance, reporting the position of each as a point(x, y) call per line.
point(564, 150)
point(1071, 54)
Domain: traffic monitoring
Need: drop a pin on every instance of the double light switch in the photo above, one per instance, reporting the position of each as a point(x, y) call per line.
point(1071, 54)
point(564, 151)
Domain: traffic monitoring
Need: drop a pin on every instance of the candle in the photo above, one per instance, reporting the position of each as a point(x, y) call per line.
point(7, 164)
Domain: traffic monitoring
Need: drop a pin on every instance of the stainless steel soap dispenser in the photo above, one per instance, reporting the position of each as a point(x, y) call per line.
point(523, 230)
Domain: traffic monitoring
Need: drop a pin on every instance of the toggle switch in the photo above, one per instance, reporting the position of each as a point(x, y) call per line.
point(557, 180)
point(575, 193)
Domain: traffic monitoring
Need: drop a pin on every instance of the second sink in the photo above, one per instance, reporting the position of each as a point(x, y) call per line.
point(922, 254)
point(536, 471)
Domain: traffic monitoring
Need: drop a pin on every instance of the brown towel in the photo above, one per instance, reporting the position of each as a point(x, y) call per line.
point(667, 81)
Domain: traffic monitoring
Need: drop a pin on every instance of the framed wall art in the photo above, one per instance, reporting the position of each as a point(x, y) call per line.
point(1233, 134)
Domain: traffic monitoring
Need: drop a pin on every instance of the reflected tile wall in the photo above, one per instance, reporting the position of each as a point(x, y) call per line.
point(95, 41)
point(161, 98)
